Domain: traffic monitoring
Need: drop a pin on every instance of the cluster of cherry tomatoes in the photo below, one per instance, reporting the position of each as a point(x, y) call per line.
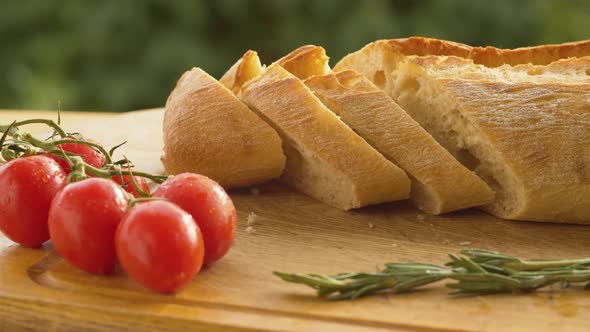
point(161, 241)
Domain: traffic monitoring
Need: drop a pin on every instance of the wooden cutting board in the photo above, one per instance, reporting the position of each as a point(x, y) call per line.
point(293, 233)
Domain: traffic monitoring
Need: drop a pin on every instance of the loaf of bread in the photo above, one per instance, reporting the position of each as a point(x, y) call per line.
point(525, 130)
point(378, 58)
point(473, 121)
point(439, 182)
point(325, 158)
point(208, 130)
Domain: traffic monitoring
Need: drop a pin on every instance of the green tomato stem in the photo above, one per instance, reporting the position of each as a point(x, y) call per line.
point(80, 169)
point(48, 122)
point(47, 146)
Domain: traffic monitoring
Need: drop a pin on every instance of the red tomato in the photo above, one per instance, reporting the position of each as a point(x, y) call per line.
point(209, 205)
point(62, 163)
point(27, 187)
point(83, 220)
point(88, 154)
point(125, 182)
point(160, 246)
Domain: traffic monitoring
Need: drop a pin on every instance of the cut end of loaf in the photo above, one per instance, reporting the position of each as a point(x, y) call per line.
point(308, 173)
point(438, 112)
point(425, 199)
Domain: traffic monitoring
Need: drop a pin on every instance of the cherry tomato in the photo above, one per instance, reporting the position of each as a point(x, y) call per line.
point(83, 220)
point(209, 205)
point(125, 182)
point(27, 187)
point(160, 246)
point(88, 154)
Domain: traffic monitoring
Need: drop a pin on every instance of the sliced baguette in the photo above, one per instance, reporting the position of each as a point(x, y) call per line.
point(377, 59)
point(208, 130)
point(524, 132)
point(439, 182)
point(325, 158)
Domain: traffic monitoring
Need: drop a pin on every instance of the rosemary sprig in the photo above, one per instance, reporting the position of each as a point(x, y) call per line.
point(474, 272)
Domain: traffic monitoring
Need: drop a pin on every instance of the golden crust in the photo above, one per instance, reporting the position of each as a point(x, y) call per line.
point(537, 55)
point(488, 56)
point(245, 69)
point(306, 61)
point(570, 70)
point(425, 46)
point(207, 130)
point(383, 55)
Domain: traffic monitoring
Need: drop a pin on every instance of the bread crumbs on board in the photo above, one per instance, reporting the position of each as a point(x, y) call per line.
point(251, 219)
point(250, 230)
point(465, 243)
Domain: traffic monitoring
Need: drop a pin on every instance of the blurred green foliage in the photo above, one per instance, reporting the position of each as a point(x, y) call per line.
point(117, 55)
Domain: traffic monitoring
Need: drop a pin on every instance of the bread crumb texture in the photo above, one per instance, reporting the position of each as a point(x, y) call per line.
point(251, 219)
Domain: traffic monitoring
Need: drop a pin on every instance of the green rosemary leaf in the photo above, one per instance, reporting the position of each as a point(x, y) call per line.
point(474, 272)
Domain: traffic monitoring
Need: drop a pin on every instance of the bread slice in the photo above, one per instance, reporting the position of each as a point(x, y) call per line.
point(377, 59)
point(208, 130)
point(325, 158)
point(439, 182)
point(524, 130)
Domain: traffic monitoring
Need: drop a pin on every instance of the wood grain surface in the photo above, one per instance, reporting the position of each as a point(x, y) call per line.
point(293, 233)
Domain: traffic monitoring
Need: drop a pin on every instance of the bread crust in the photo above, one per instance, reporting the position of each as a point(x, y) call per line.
point(537, 55)
point(325, 158)
point(208, 130)
point(570, 70)
point(488, 56)
point(306, 61)
point(245, 69)
point(381, 56)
